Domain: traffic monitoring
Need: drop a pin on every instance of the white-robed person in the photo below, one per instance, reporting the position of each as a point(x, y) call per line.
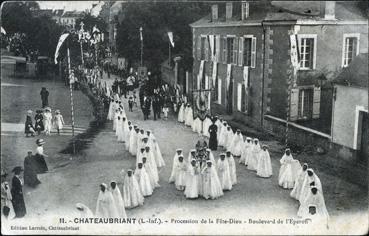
point(119, 129)
point(264, 167)
point(47, 120)
point(223, 135)
point(229, 138)
point(288, 171)
point(205, 126)
point(84, 211)
point(192, 180)
point(211, 185)
point(115, 118)
point(189, 116)
point(296, 191)
point(191, 155)
point(181, 174)
point(219, 124)
point(232, 167)
point(172, 177)
point(156, 149)
point(105, 206)
point(111, 109)
point(125, 129)
point(181, 113)
point(197, 125)
point(132, 195)
point(246, 151)
point(130, 133)
point(118, 199)
point(252, 163)
point(210, 155)
point(224, 172)
point(150, 172)
point(151, 160)
point(143, 180)
point(140, 143)
point(313, 207)
point(133, 141)
point(237, 144)
point(310, 179)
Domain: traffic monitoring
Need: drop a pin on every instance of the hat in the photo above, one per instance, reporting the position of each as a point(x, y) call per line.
point(29, 112)
point(222, 154)
point(57, 111)
point(40, 141)
point(17, 169)
point(47, 109)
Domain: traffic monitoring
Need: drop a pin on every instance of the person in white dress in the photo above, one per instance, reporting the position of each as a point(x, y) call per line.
point(219, 124)
point(140, 155)
point(192, 180)
point(133, 142)
point(118, 200)
point(130, 133)
point(288, 171)
point(191, 155)
point(232, 167)
point(181, 113)
point(151, 160)
point(48, 120)
point(173, 175)
point(296, 191)
point(237, 144)
point(156, 149)
point(189, 116)
point(58, 121)
point(84, 211)
point(115, 118)
point(211, 185)
point(264, 167)
point(6, 199)
point(229, 138)
point(205, 126)
point(105, 206)
point(224, 173)
point(223, 135)
point(254, 155)
point(143, 180)
point(210, 155)
point(111, 109)
point(119, 129)
point(150, 172)
point(246, 151)
point(197, 125)
point(132, 195)
point(125, 129)
point(310, 179)
point(181, 170)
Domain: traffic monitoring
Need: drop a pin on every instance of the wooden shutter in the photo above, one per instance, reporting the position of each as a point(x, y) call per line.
point(219, 91)
point(224, 50)
point(240, 51)
point(316, 102)
point(239, 96)
point(217, 48)
point(294, 104)
point(199, 48)
point(235, 50)
point(248, 101)
point(253, 52)
point(206, 48)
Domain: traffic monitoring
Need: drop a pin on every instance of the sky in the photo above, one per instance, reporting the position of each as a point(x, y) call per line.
point(69, 5)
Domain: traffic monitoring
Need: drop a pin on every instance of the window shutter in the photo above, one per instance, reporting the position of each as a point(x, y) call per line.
point(199, 48)
point(240, 51)
point(225, 54)
point(217, 49)
point(239, 96)
point(248, 101)
point(235, 50)
point(316, 102)
point(206, 49)
point(253, 52)
point(220, 91)
point(294, 104)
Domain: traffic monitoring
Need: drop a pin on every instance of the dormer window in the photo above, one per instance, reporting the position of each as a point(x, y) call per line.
point(229, 8)
point(214, 12)
point(245, 10)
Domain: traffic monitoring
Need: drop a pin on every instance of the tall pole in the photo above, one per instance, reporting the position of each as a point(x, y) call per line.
point(169, 60)
point(83, 63)
point(141, 46)
point(71, 99)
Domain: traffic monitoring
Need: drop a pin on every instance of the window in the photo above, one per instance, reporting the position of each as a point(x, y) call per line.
point(245, 10)
point(307, 44)
point(214, 12)
point(350, 48)
point(305, 105)
point(224, 50)
point(202, 46)
point(247, 51)
point(219, 92)
point(229, 8)
point(231, 50)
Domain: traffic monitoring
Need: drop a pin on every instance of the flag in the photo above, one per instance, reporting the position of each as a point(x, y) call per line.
point(61, 41)
point(170, 35)
point(3, 31)
point(141, 38)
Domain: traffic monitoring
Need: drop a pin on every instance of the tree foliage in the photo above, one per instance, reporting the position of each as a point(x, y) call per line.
point(156, 19)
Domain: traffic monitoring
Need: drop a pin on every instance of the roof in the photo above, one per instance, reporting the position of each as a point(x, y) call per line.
point(356, 74)
point(285, 11)
point(73, 14)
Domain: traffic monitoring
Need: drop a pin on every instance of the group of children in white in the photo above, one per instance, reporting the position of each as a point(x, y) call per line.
point(200, 174)
point(210, 180)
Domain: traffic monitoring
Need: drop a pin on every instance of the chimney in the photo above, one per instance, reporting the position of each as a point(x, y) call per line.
point(229, 8)
point(245, 10)
point(328, 10)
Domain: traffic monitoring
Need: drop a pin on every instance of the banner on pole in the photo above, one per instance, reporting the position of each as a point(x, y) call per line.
point(60, 43)
point(246, 76)
point(201, 74)
point(170, 35)
point(229, 70)
point(294, 51)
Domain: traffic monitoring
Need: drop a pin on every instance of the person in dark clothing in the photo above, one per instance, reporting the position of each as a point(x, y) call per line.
point(130, 103)
point(213, 130)
point(30, 171)
point(39, 122)
point(156, 107)
point(17, 194)
point(28, 125)
point(115, 85)
point(146, 108)
point(44, 97)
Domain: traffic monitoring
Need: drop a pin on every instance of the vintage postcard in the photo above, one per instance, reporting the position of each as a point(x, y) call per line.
point(145, 117)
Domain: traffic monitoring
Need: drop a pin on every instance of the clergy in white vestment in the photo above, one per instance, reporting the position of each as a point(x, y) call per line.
point(288, 171)
point(246, 151)
point(150, 172)
point(224, 173)
point(181, 113)
point(264, 167)
point(192, 180)
point(181, 174)
point(143, 180)
point(105, 206)
point(254, 157)
point(232, 167)
point(313, 207)
point(172, 177)
point(237, 144)
point(132, 195)
point(211, 185)
point(311, 179)
point(84, 211)
point(118, 200)
point(296, 191)
point(223, 135)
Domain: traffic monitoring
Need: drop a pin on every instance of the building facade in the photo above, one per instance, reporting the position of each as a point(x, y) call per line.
point(249, 66)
